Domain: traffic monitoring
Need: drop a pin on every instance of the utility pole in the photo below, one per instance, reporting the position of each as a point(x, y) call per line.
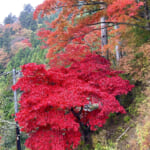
point(18, 143)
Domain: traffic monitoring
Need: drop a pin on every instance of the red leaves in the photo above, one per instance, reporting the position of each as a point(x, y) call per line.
point(27, 42)
point(120, 8)
point(50, 97)
point(47, 139)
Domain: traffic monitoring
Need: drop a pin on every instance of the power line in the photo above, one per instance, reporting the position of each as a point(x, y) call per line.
point(6, 73)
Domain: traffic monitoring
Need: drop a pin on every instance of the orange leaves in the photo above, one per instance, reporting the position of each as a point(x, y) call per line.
point(47, 7)
point(125, 9)
point(71, 25)
point(78, 24)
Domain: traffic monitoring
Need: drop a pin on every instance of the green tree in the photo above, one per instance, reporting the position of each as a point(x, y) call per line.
point(10, 19)
point(1, 68)
point(6, 40)
point(34, 41)
point(1, 42)
point(26, 18)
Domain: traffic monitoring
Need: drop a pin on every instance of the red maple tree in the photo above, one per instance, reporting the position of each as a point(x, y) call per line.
point(60, 105)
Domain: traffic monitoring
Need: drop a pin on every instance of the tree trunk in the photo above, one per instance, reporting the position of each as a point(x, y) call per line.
point(85, 130)
point(104, 37)
point(87, 136)
point(117, 49)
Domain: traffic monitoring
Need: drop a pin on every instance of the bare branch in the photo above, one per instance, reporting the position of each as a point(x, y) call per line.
point(122, 134)
point(118, 23)
point(76, 5)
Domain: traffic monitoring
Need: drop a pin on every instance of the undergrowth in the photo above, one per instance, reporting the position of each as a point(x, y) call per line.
point(115, 131)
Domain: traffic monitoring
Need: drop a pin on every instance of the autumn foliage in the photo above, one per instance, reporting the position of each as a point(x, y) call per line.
point(62, 105)
point(79, 21)
point(137, 62)
point(57, 104)
point(27, 42)
point(126, 9)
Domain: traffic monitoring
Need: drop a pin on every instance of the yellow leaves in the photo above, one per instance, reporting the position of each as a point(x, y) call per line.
point(143, 127)
point(143, 136)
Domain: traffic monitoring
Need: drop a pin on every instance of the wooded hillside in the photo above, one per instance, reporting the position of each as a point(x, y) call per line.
point(82, 71)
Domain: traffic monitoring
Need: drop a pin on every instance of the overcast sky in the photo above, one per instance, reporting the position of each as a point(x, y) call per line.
point(14, 7)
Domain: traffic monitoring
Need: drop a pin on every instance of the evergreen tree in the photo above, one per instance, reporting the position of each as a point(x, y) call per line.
point(34, 41)
point(1, 42)
point(26, 18)
point(6, 40)
point(10, 19)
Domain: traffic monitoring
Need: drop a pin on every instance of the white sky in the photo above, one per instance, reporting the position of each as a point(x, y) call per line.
point(14, 7)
